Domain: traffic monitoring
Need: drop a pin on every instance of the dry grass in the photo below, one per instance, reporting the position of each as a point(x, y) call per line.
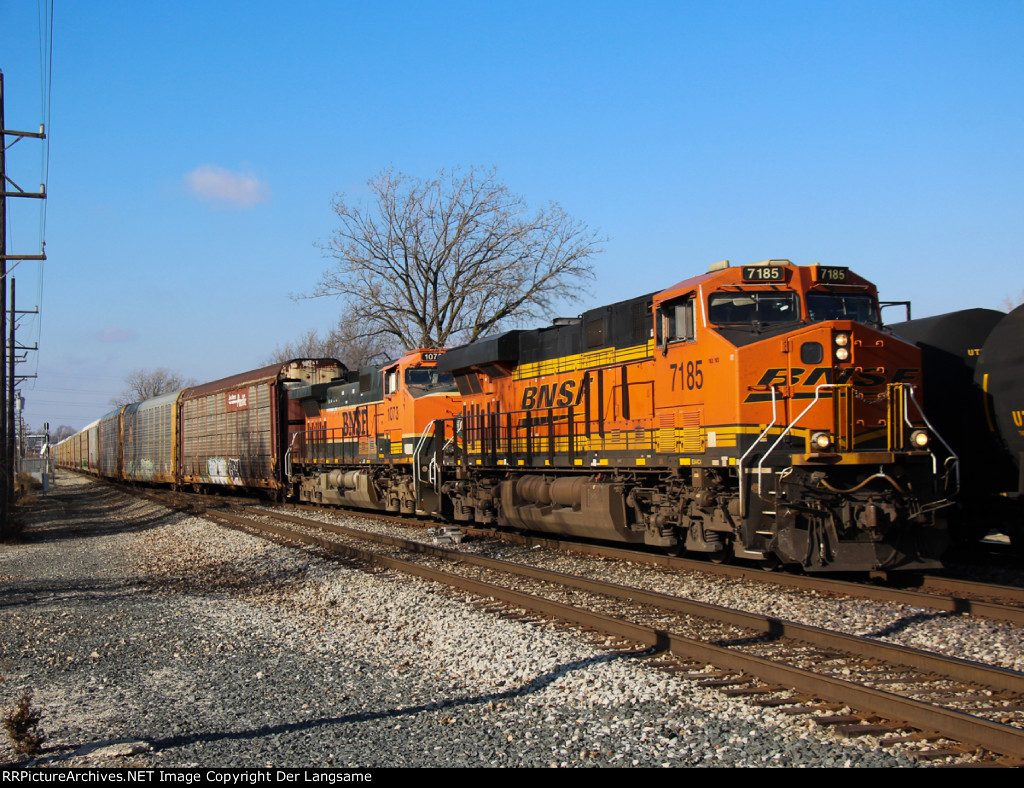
point(22, 725)
point(25, 486)
point(25, 483)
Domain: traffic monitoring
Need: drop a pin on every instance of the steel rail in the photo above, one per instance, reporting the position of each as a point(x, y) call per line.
point(949, 603)
point(949, 585)
point(944, 597)
point(963, 727)
point(868, 648)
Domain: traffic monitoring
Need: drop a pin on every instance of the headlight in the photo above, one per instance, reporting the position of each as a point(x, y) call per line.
point(919, 438)
point(821, 441)
point(842, 341)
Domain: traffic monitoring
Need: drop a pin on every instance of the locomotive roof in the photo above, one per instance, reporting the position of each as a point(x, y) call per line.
point(622, 324)
point(685, 284)
point(625, 323)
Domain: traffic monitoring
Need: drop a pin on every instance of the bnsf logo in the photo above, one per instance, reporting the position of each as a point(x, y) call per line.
point(355, 422)
point(553, 395)
point(858, 377)
point(797, 376)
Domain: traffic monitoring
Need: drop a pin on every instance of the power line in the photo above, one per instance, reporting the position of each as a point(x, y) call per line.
point(9, 188)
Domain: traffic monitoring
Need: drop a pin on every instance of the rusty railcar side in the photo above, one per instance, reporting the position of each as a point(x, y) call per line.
point(109, 445)
point(91, 448)
point(73, 452)
point(149, 439)
point(237, 430)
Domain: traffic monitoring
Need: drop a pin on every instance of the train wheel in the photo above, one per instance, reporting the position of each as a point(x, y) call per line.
point(770, 563)
point(723, 554)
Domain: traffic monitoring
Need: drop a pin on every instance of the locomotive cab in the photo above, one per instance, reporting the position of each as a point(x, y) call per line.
point(802, 417)
point(415, 393)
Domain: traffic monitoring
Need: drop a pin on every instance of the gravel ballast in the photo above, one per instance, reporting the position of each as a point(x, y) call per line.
point(151, 638)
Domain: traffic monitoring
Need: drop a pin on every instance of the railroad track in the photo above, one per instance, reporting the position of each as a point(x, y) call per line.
point(898, 692)
point(984, 600)
point(948, 595)
point(945, 595)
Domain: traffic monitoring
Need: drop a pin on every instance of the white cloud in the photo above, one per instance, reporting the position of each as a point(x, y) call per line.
point(210, 182)
point(113, 334)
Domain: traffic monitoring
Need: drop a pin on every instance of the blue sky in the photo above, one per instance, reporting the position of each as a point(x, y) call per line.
point(194, 148)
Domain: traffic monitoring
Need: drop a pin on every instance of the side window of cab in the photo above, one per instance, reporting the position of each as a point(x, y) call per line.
point(391, 379)
point(677, 321)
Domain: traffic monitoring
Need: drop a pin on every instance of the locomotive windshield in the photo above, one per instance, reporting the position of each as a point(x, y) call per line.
point(750, 307)
point(428, 377)
point(837, 306)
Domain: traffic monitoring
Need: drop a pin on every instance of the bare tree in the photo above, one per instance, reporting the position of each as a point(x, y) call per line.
point(62, 432)
point(143, 384)
point(1009, 304)
point(343, 342)
point(448, 260)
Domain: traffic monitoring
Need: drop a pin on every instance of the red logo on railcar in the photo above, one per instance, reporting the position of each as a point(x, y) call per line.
point(237, 400)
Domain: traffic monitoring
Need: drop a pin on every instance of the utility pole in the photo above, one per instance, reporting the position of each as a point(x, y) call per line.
point(7, 427)
point(16, 402)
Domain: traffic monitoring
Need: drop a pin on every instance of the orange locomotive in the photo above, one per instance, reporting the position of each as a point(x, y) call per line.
point(756, 410)
point(362, 435)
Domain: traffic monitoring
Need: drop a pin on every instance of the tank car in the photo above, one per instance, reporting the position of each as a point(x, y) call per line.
point(1000, 374)
point(958, 404)
point(758, 411)
point(363, 435)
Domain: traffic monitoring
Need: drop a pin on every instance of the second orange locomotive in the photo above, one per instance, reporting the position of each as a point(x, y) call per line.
point(364, 435)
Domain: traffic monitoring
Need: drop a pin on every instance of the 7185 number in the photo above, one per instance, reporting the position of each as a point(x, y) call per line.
point(690, 375)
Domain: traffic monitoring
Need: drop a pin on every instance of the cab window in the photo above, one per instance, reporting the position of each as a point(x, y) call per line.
point(838, 306)
point(676, 322)
point(748, 307)
point(427, 377)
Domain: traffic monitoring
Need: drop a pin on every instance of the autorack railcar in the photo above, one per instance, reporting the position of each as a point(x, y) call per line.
point(149, 440)
point(233, 432)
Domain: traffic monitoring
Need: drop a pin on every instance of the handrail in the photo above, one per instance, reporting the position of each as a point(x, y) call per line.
point(789, 428)
point(416, 465)
point(952, 454)
point(903, 414)
point(288, 453)
point(739, 463)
